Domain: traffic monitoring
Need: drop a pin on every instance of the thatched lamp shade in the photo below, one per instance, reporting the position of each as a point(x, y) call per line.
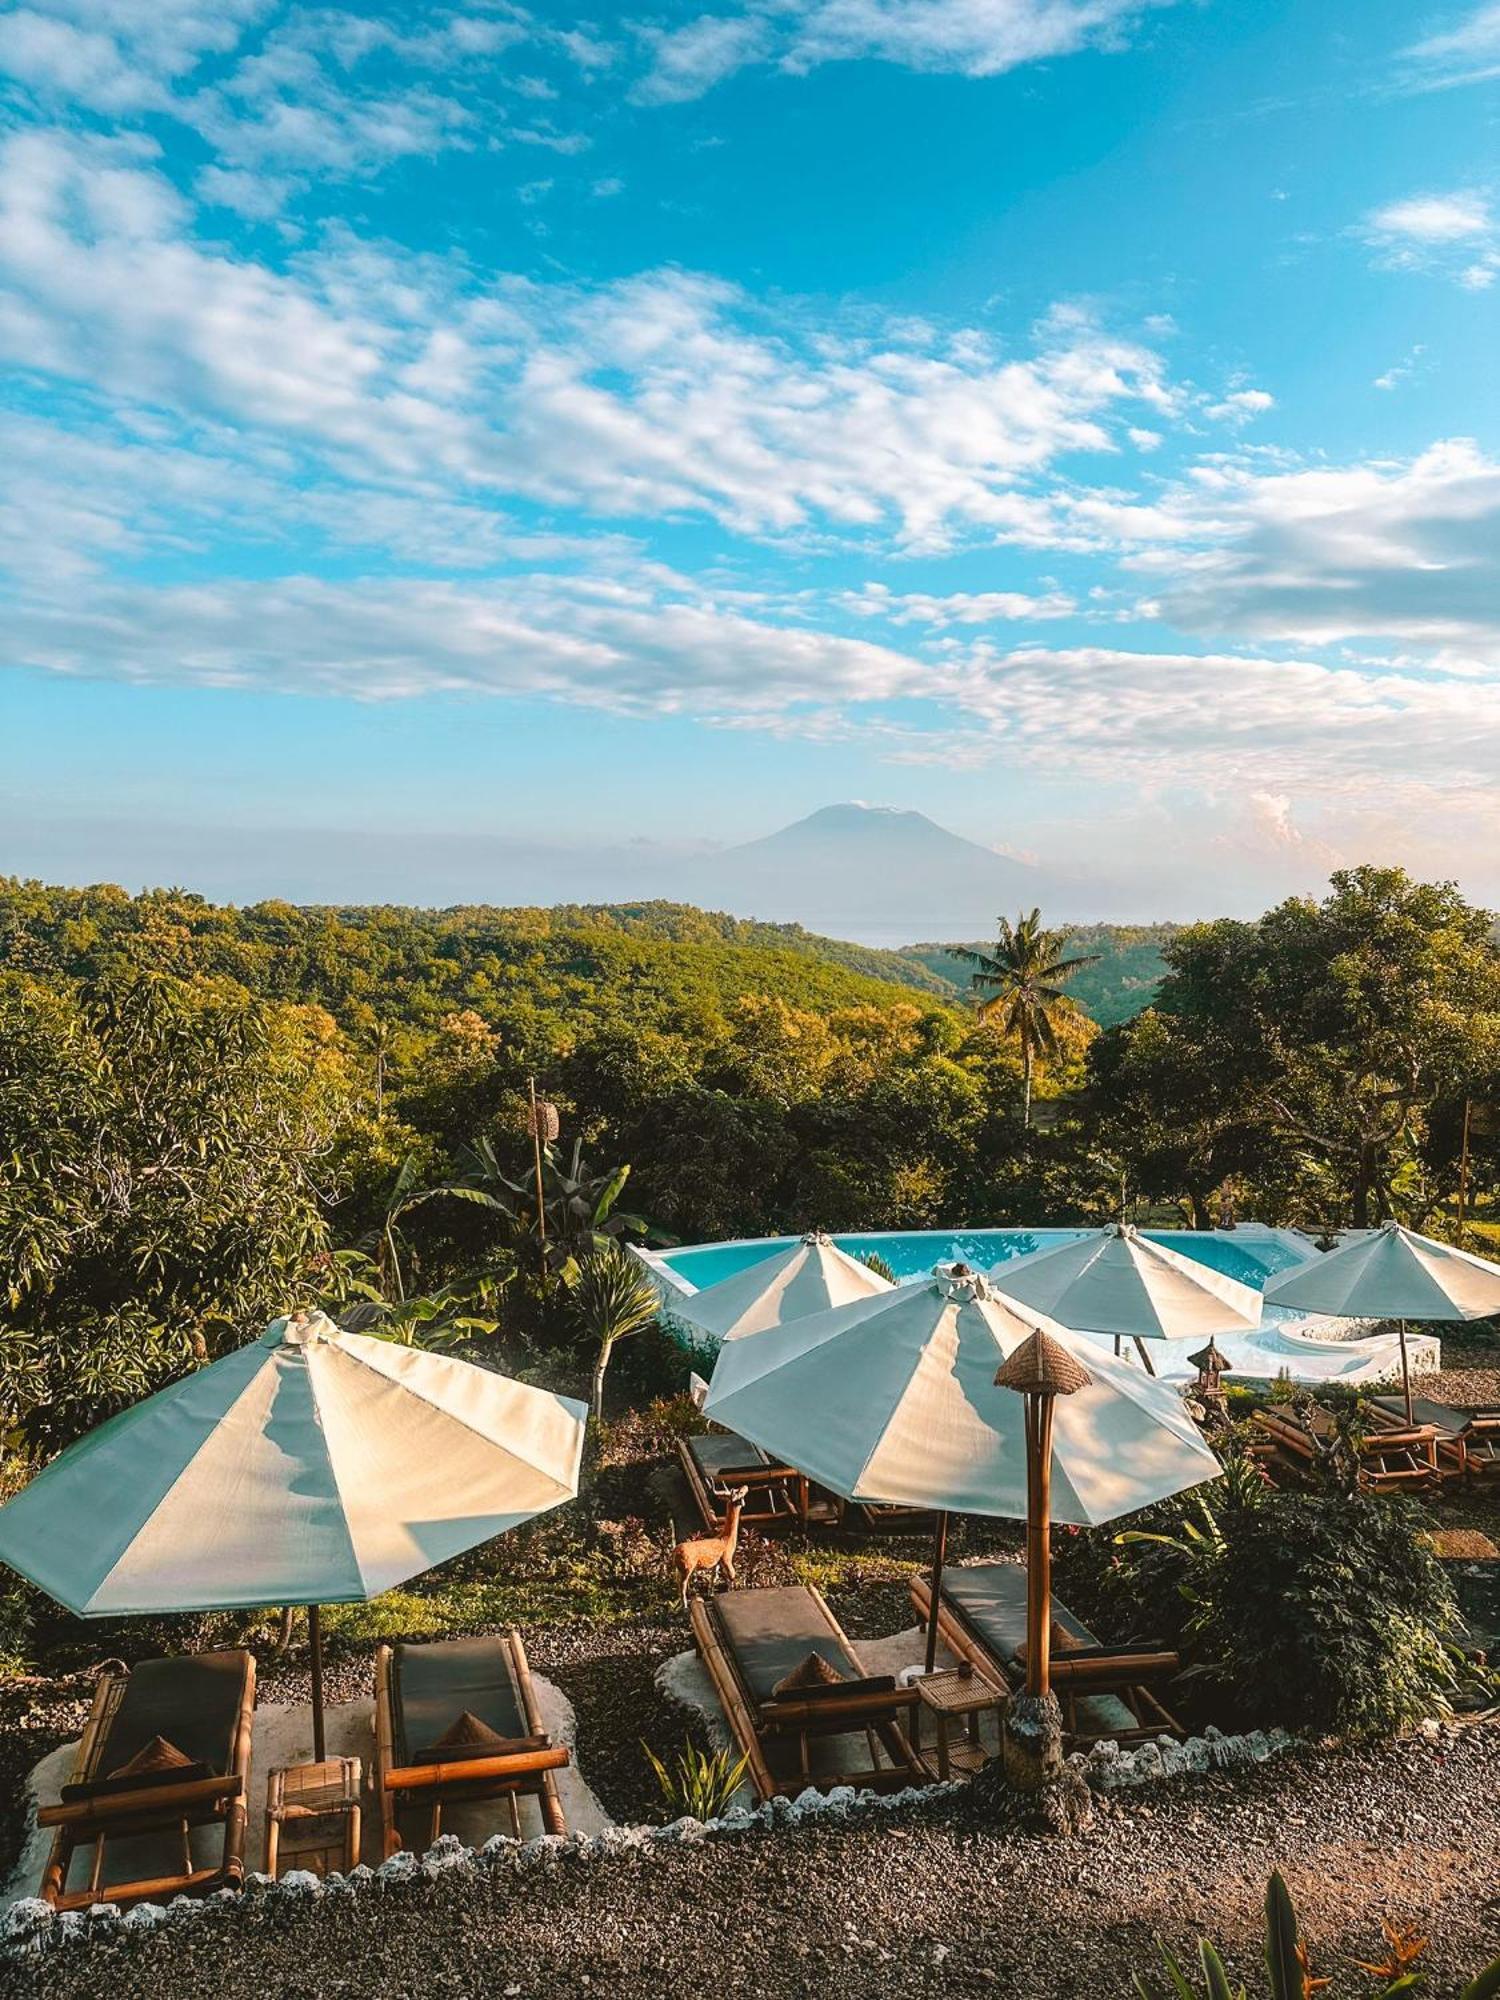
point(1043, 1366)
point(542, 1121)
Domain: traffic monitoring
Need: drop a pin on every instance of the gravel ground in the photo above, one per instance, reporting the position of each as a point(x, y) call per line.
point(923, 1903)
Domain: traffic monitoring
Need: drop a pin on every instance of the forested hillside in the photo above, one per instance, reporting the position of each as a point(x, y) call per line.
point(410, 967)
point(206, 1113)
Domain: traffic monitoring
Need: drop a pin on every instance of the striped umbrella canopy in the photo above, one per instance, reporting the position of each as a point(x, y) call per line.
point(893, 1400)
point(902, 1400)
point(1116, 1281)
point(1392, 1273)
point(808, 1276)
point(312, 1466)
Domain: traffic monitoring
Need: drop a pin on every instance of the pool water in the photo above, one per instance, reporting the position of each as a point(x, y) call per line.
point(1251, 1255)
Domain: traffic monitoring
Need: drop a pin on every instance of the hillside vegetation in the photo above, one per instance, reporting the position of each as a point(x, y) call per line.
point(1131, 967)
point(413, 967)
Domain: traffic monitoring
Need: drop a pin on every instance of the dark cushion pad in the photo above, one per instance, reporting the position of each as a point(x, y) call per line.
point(771, 1632)
point(431, 1686)
point(193, 1701)
point(990, 1600)
point(1440, 1415)
point(719, 1457)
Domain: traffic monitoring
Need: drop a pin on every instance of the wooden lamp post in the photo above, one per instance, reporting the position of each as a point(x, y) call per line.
point(543, 1123)
point(1211, 1366)
point(1041, 1369)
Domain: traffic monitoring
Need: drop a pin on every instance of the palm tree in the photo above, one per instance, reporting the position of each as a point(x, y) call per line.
point(1023, 979)
point(612, 1297)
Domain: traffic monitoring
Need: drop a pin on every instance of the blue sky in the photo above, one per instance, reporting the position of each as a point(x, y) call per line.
point(437, 442)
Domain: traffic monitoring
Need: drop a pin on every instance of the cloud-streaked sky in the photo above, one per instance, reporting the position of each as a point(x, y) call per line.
point(1077, 419)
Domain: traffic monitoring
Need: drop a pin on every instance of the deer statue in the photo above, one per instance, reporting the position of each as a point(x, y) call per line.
point(712, 1552)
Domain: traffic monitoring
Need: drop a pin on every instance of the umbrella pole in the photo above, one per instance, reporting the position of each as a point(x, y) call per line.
point(315, 1641)
point(939, 1557)
point(1039, 1543)
point(1146, 1362)
point(1411, 1416)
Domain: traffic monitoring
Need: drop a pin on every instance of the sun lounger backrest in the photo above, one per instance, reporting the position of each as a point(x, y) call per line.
point(719, 1454)
point(193, 1702)
point(990, 1599)
point(1447, 1421)
point(769, 1632)
point(432, 1686)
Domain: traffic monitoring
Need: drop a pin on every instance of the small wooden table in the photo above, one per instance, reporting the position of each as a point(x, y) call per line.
point(951, 1695)
point(312, 1817)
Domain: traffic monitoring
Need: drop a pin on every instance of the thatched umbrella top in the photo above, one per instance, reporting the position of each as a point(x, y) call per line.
point(1043, 1365)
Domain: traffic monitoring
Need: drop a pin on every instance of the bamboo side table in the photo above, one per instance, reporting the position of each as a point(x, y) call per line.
point(313, 1817)
point(954, 1696)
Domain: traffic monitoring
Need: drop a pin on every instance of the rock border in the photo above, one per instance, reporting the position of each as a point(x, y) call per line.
point(31, 1926)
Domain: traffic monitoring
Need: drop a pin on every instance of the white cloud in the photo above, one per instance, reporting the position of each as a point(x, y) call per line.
point(1407, 551)
point(601, 642)
point(1240, 406)
point(1455, 235)
point(118, 56)
point(1467, 52)
point(982, 607)
point(968, 37)
point(665, 394)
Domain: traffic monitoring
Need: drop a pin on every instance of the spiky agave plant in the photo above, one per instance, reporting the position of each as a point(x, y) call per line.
point(698, 1784)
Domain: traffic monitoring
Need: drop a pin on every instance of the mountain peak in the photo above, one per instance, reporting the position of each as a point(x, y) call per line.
point(873, 872)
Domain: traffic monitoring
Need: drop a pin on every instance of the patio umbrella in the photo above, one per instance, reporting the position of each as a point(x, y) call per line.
point(894, 1400)
point(312, 1466)
point(806, 1277)
point(1392, 1273)
point(1116, 1281)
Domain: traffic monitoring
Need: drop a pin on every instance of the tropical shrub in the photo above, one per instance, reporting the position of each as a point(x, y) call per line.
point(1324, 1612)
point(1289, 1971)
point(698, 1783)
point(162, 1149)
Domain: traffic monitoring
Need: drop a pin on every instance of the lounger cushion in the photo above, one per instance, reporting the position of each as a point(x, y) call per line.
point(1442, 1416)
point(433, 1686)
point(1060, 1640)
point(771, 1632)
point(157, 1756)
point(470, 1738)
point(719, 1455)
point(193, 1702)
point(990, 1599)
point(808, 1675)
point(841, 1689)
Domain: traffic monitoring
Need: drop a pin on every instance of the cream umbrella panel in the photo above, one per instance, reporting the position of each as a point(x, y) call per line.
point(1392, 1273)
point(808, 1276)
point(1115, 1281)
point(312, 1466)
point(893, 1400)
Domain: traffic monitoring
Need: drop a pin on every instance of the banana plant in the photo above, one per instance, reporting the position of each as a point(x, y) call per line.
point(578, 1208)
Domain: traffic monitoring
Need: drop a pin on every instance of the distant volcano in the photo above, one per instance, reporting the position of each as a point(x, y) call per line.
point(868, 872)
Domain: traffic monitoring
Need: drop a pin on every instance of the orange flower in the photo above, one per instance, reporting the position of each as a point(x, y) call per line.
point(1406, 1946)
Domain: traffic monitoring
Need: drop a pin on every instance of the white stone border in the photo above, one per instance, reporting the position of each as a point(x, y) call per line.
point(31, 1926)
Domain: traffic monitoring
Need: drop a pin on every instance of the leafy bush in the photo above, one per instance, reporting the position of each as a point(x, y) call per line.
point(1326, 1612)
point(698, 1784)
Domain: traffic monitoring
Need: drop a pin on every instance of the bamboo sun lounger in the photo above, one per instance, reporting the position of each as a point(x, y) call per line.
point(846, 1731)
point(777, 1493)
point(155, 1805)
point(458, 1722)
point(1390, 1460)
point(1468, 1441)
point(1105, 1692)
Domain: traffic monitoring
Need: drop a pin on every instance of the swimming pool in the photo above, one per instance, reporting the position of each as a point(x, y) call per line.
point(1252, 1253)
point(1287, 1342)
